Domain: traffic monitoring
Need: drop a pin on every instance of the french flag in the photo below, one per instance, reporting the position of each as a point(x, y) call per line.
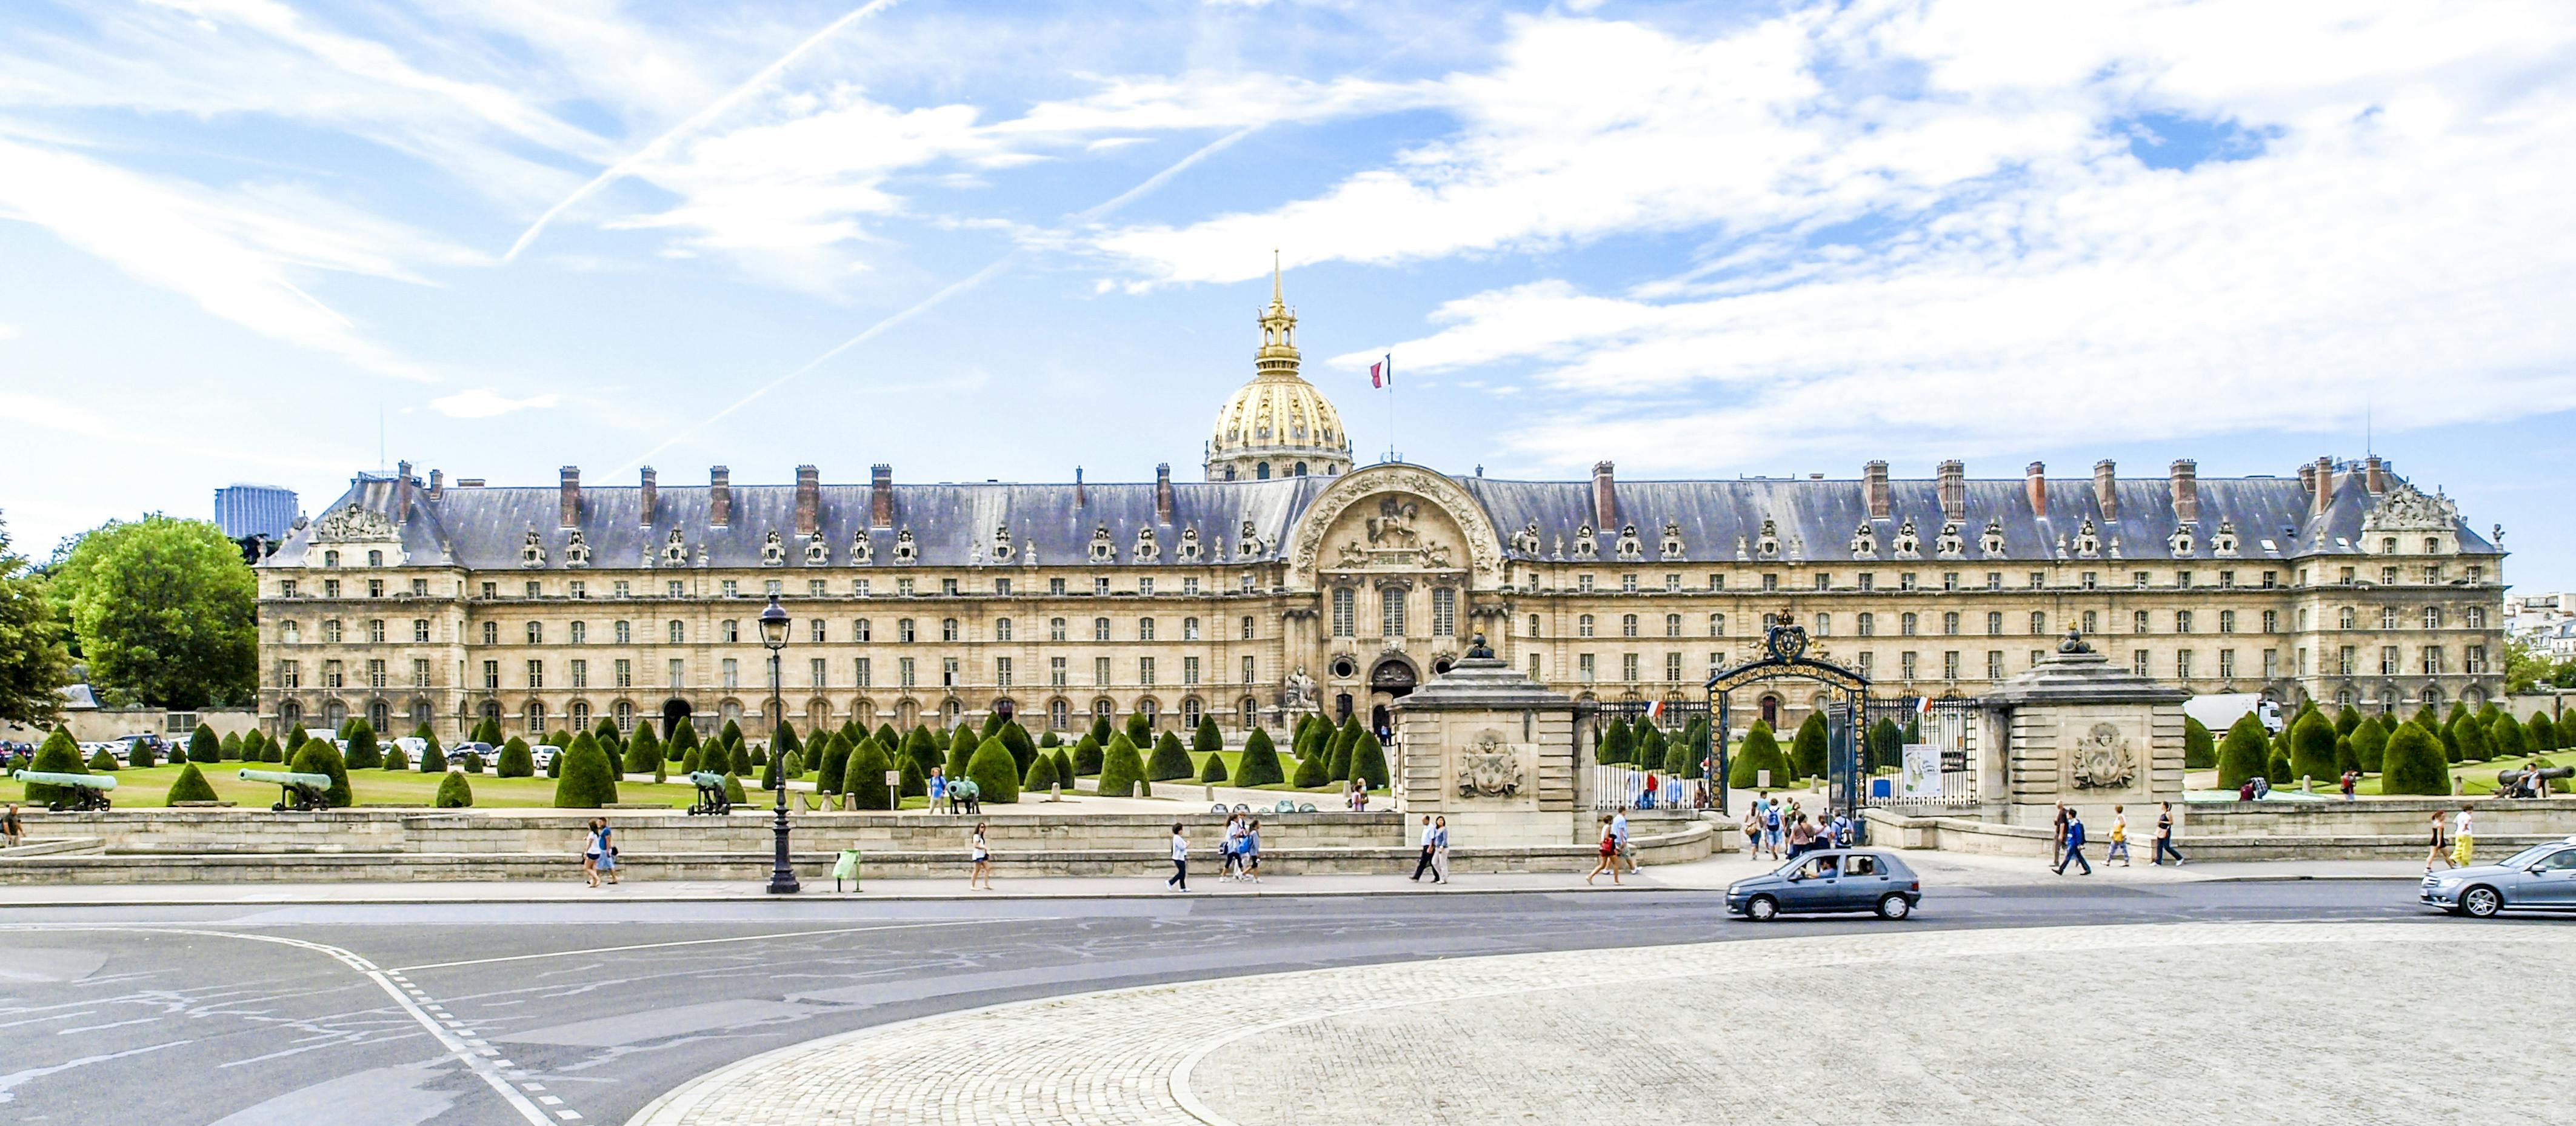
point(1655, 710)
point(1382, 372)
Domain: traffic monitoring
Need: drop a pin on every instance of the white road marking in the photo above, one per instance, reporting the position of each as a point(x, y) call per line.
point(711, 941)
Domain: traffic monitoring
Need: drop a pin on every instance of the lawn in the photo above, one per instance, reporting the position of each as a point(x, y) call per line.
point(150, 788)
point(2475, 778)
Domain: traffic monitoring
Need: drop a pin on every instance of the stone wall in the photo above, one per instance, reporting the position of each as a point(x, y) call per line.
point(2386, 829)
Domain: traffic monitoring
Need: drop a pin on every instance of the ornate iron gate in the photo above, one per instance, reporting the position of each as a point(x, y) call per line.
point(1784, 647)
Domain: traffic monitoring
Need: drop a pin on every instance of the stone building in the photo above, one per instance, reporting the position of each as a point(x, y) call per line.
point(1288, 580)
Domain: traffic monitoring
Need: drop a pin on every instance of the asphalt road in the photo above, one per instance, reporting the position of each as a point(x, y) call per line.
point(322, 1015)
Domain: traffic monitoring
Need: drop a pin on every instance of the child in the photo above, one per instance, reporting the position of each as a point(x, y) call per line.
point(2119, 837)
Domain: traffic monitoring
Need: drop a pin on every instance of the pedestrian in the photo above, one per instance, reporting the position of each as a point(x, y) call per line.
point(1230, 850)
point(1802, 837)
point(2439, 855)
point(1423, 864)
point(2165, 835)
point(2074, 844)
point(1609, 846)
point(1252, 850)
point(598, 855)
point(981, 853)
point(2119, 837)
point(1753, 834)
point(2262, 787)
point(1180, 880)
point(2464, 840)
point(2351, 778)
point(1359, 796)
point(1440, 850)
point(1619, 828)
point(1844, 830)
point(2058, 848)
point(1771, 829)
point(939, 788)
point(13, 830)
point(2245, 792)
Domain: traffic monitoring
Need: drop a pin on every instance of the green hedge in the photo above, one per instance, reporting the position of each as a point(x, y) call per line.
point(1063, 766)
point(190, 785)
point(2199, 747)
point(1618, 745)
point(996, 773)
point(586, 781)
point(1213, 769)
point(836, 765)
point(2312, 750)
point(453, 793)
point(1259, 763)
point(1122, 770)
point(1807, 749)
point(644, 751)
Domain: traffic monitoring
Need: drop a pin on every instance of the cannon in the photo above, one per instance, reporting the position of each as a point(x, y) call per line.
point(711, 793)
point(2511, 781)
point(303, 792)
point(88, 791)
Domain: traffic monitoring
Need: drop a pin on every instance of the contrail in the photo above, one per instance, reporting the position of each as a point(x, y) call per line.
point(979, 277)
point(710, 112)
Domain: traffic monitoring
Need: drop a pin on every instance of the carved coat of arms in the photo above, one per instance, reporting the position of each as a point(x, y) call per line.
point(1488, 769)
point(2104, 760)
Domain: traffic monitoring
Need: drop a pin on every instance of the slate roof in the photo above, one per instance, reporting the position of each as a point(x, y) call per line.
point(484, 527)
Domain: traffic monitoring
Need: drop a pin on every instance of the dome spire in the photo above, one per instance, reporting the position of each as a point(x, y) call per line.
point(1277, 356)
point(1274, 277)
point(1278, 425)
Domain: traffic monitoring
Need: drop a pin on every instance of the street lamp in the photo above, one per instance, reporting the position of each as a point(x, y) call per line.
point(773, 634)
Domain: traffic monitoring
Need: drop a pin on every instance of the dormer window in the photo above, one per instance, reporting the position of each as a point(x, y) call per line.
point(1909, 544)
point(2179, 543)
point(1992, 543)
point(1864, 542)
point(1952, 542)
point(817, 552)
point(1002, 548)
point(330, 559)
point(861, 549)
point(532, 552)
point(1587, 543)
point(1189, 551)
point(905, 551)
point(1629, 548)
point(1526, 541)
point(1102, 549)
point(377, 558)
point(2224, 543)
point(1767, 545)
point(675, 550)
point(1672, 539)
point(1147, 550)
point(773, 550)
point(576, 550)
point(2088, 539)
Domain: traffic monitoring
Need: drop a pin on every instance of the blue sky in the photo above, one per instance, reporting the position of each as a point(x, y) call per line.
point(1006, 239)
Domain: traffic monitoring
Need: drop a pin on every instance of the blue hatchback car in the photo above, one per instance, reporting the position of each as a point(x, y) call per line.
point(1839, 879)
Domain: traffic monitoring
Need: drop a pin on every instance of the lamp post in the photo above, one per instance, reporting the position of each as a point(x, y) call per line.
point(773, 634)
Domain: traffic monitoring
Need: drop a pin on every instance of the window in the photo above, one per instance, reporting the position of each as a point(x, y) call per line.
point(1868, 580)
point(948, 588)
point(1001, 629)
point(2388, 617)
point(671, 589)
point(904, 631)
point(2138, 662)
point(2271, 621)
point(375, 673)
point(1628, 667)
point(729, 631)
point(1189, 629)
point(1868, 663)
point(2227, 621)
point(1824, 626)
point(1444, 612)
point(375, 631)
point(731, 589)
point(1583, 626)
point(2344, 661)
point(1145, 671)
point(1342, 614)
point(2432, 660)
point(2432, 617)
point(1144, 586)
point(1950, 624)
point(1905, 580)
point(1100, 587)
point(948, 673)
point(1716, 625)
point(2138, 622)
point(1100, 671)
point(1189, 670)
point(2038, 622)
point(1949, 580)
point(375, 587)
point(1672, 584)
point(2473, 659)
point(815, 632)
point(623, 672)
point(331, 630)
point(1905, 665)
point(2090, 624)
point(2182, 665)
point(1583, 583)
point(1950, 664)
point(729, 673)
point(1994, 664)
point(818, 672)
point(1824, 581)
point(1770, 582)
point(1905, 625)
point(903, 587)
point(1002, 672)
point(679, 673)
point(948, 629)
point(679, 632)
point(1055, 672)
point(579, 672)
point(2271, 663)
point(905, 672)
point(1868, 624)
point(1583, 668)
point(2227, 664)
point(1994, 580)
point(1672, 666)
point(420, 672)
point(286, 588)
point(1627, 625)
point(1994, 623)
point(2090, 580)
point(1247, 627)
point(1144, 629)
point(1391, 611)
point(330, 558)
point(2182, 621)
point(772, 586)
point(1628, 584)
point(1672, 625)
point(536, 674)
point(491, 674)
point(1250, 672)
point(1100, 629)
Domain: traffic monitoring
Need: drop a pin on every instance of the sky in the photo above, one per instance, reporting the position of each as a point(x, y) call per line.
point(286, 242)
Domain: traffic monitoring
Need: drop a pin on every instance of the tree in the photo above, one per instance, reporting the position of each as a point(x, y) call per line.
point(961, 753)
point(909, 779)
point(733, 790)
point(1887, 745)
point(2244, 754)
point(190, 785)
point(2347, 757)
point(1063, 766)
point(433, 758)
point(104, 761)
point(1618, 746)
point(836, 765)
point(731, 736)
point(610, 741)
point(779, 745)
point(488, 732)
point(993, 722)
point(515, 760)
point(271, 751)
point(318, 756)
point(203, 746)
point(1343, 742)
point(2312, 748)
point(773, 774)
point(1760, 751)
point(139, 754)
point(1212, 769)
point(363, 753)
point(684, 738)
point(1687, 757)
point(888, 738)
point(2542, 733)
point(1122, 770)
point(2199, 748)
point(453, 793)
point(1041, 777)
point(34, 665)
point(996, 773)
point(1100, 730)
point(1086, 757)
point(1050, 741)
point(1024, 750)
point(862, 775)
point(2346, 719)
point(395, 759)
point(2414, 763)
point(1368, 761)
point(1312, 737)
point(1170, 761)
point(229, 748)
point(1259, 763)
point(1314, 771)
point(644, 751)
point(1207, 740)
point(2369, 741)
point(1140, 728)
point(2278, 765)
point(587, 781)
point(1807, 749)
point(2472, 738)
point(2506, 735)
point(916, 747)
point(60, 754)
point(161, 610)
point(1650, 746)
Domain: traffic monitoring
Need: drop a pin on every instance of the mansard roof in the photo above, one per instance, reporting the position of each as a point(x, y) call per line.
point(1717, 521)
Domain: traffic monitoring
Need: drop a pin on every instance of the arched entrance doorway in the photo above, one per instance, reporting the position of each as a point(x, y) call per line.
point(1771, 712)
point(673, 711)
point(1393, 679)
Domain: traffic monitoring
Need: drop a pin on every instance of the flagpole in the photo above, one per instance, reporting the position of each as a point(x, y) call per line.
point(1390, 406)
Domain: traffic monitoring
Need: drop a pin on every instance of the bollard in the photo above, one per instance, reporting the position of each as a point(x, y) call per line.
point(1055, 791)
point(1210, 790)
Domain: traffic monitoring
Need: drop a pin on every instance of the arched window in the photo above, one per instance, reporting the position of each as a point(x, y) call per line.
point(1103, 708)
point(1583, 626)
point(1229, 473)
point(1190, 711)
point(289, 715)
point(1248, 711)
point(580, 716)
point(1059, 715)
point(536, 720)
point(1672, 625)
point(1262, 471)
point(1100, 629)
point(679, 631)
point(1627, 625)
point(380, 715)
point(419, 714)
point(1301, 469)
point(334, 713)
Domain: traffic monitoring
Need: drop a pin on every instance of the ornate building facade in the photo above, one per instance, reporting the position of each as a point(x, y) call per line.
point(1288, 580)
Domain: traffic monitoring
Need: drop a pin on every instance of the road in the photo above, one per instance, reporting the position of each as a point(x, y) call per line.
point(320, 1015)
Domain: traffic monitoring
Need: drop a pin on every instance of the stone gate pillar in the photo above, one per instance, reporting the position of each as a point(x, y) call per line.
point(2078, 729)
point(1491, 750)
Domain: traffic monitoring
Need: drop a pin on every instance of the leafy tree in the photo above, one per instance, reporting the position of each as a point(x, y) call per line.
point(161, 610)
point(1100, 730)
point(2505, 735)
point(996, 773)
point(587, 781)
point(1807, 748)
point(1212, 770)
point(1122, 769)
point(1759, 751)
point(862, 775)
point(1618, 746)
point(1650, 745)
point(2312, 748)
point(644, 751)
point(1259, 763)
point(2199, 748)
point(1063, 766)
point(318, 756)
point(2472, 739)
point(1015, 738)
point(2244, 754)
point(2542, 733)
point(1368, 761)
point(1086, 756)
point(2414, 763)
point(363, 753)
point(104, 761)
point(1170, 761)
point(836, 764)
point(515, 761)
point(453, 793)
point(203, 746)
point(1887, 744)
point(34, 665)
point(2369, 741)
point(1041, 776)
point(190, 785)
point(684, 738)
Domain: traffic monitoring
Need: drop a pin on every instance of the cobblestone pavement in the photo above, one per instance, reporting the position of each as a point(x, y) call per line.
point(2235, 1022)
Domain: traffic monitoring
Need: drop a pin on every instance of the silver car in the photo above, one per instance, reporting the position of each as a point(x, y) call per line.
point(2542, 877)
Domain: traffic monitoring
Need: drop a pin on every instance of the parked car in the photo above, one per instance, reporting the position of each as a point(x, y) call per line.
point(1829, 880)
point(412, 746)
point(2542, 876)
point(543, 755)
point(457, 754)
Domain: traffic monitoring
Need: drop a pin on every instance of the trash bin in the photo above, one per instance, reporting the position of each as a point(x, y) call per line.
point(846, 868)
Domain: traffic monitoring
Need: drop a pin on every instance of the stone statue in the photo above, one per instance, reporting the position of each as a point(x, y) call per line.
point(2074, 643)
point(1301, 690)
point(1477, 650)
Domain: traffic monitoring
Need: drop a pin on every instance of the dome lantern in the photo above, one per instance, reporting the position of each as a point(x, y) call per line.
point(1277, 425)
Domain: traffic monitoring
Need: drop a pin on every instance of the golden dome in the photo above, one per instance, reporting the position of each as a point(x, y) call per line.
point(1278, 425)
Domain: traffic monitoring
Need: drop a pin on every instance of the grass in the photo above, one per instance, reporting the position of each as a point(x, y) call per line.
point(2474, 778)
point(150, 788)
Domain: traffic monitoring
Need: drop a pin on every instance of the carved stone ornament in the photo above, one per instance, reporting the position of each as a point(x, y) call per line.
point(2104, 759)
point(1353, 555)
point(1436, 555)
point(2407, 509)
point(354, 523)
point(576, 549)
point(1300, 690)
point(1393, 524)
point(2074, 643)
point(1147, 549)
point(1477, 650)
point(1488, 768)
point(773, 549)
point(532, 550)
point(1527, 541)
point(817, 552)
point(1001, 543)
point(905, 551)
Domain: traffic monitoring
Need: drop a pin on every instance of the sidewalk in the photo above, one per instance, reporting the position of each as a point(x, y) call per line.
point(1939, 870)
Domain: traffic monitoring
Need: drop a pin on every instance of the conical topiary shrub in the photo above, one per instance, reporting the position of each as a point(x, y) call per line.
point(1086, 757)
point(2541, 732)
point(1618, 744)
point(1650, 746)
point(363, 752)
point(60, 754)
point(2472, 738)
point(190, 785)
point(2199, 747)
point(2412, 763)
point(912, 781)
point(836, 765)
point(1063, 767)
point(318, 756)
point(2312, 749)
point(453, 793)
point(2368, 741)
point(1122, 770)
point(1207, 740)
point(1041, 776)
point(515, 761)
point(862, 776)
point(691, 762)
point(433, 758)
point(996, 773)
point(918, 748)
point(2244, 754)
point(1212, 769)
point(204, 747)
point(1343, 741)
point(230, 748)
point(1315, 771)
point(1368, 762)
point(2346, 757)
point(586, 781)
point(1100, 731)
point(1807, 748)
point(1015, 738)
point(684, 738)
point(1170, 761)
point(961, 753)
point(1759, 751)
point(1259, 763)
point(2278, 766)
point(733, 790)
point(643, 751)
point(104, 761)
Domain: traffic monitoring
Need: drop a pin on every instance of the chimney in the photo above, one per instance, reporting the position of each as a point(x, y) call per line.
point(2325, 485)
point(2186, 491)
point(719, 497)
point(1605, 497)
point(1163, 493)
point(1873, 488)
point(2307, 478)
point(644, 511)
point(437, 483)
point(1077, 486)
point(809, 500)
point(571, 496)
point(2375, 475)
point(1954, 490)
point(881, 496)
point(2034, 484)
point(2106, 488)
point(402, 489)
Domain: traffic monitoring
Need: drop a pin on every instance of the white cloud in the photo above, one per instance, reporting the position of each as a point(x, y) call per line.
point(483, 402)
point(9, 331)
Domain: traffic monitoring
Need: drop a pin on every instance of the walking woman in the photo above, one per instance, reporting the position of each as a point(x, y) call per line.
point(2439, 855)
point(2119, 837)
point(599, 856)
point(1609, 854)
point(2164, 837)
point(1753, 833)
point(1252, 850)
point(982, 853)
point(1180, 880)
point(1440, 851)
